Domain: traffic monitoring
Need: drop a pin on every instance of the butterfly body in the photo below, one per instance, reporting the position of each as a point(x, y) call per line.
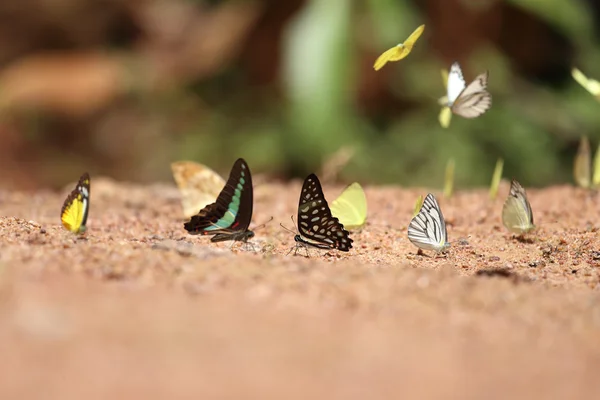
point(228, 218)
point(517, 215)
point(427, 229)
point(75, 209)
point(317, 227)
point(468, 101)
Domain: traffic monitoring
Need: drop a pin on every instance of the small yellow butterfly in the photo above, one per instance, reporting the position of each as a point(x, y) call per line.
point(445, 113)
point(75, 209)
point(418, 205)
point(198, 185)
point(351, 207)
point(496, 177)
point(591, 85)
point(399, 51)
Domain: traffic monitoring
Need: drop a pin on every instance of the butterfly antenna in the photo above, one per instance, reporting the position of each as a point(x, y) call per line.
point(263, 225)
point(287, 229)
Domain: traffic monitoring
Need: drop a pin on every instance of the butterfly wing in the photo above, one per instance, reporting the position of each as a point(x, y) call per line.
point(427, 230)
point(75, 209)
point(388, 55)
point(591, 85)
point(474, 99)
point(411, 40)
point(456, 83)
point(517, 215)
point(445, 117)
point(198, 185)
point(316, 225)
point(232, 211)
point(351, 207)
point(582, 164)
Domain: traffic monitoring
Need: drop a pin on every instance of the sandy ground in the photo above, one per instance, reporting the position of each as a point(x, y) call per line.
point(139, 309)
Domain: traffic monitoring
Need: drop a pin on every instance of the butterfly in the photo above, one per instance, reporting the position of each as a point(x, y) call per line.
point(591, 85)
point(198, 185)
point(586, 175)
point(229, 216)
point(467, 101)
point(445, 115)
point(351, 207)
point(427, 229)
point(316, 226)
point(76, 207)
point(399, 51)
point(517, 216)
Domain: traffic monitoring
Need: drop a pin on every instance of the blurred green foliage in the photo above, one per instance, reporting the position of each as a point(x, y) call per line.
point(326, 95)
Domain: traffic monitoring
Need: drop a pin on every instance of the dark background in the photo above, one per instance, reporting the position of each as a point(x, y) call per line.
point(122, 88)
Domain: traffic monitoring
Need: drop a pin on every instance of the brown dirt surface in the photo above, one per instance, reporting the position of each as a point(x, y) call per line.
point(138, 309)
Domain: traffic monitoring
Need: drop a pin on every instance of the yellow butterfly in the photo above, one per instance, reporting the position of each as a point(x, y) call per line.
point(591, 85)
point(445, 113)
point(351, 207)
point(399, 51)
point(198, 185)
point(75, 209)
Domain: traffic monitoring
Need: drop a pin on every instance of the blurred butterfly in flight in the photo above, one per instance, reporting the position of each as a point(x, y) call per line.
point(399, 51)
point(468, 101)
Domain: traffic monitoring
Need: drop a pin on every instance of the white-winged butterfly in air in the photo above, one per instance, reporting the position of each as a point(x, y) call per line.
point(468, 101)
point(316, 226)
point(427, 230)
point(229, 216)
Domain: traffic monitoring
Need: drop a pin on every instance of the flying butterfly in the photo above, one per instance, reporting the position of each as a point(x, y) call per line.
point(467, 101)
point(517, 216)
point(76, 207)
point(445, 115)
point(427, 229)
point(351, 207)
point(591, 85)
point(399, 51)
point(229, 216)
point(316, 226)
point(198, 185)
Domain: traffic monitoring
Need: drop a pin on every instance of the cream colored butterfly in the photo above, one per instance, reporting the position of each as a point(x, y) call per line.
point(591, 85)
point(198, 185)
point(517, 216)
point(586, 176)
point(468, 101)
point(399, 51)
point(351, 207)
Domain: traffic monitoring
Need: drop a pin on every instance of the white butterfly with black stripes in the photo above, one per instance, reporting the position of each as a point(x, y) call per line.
point(427, 230)
point(467, 101)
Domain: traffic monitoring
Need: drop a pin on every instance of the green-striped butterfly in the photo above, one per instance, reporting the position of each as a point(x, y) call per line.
point(229, 216)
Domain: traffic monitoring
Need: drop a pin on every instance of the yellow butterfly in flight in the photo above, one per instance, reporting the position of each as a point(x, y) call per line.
point(591, 85)
point(399, 51)
point(198, 185)
point(75, 209)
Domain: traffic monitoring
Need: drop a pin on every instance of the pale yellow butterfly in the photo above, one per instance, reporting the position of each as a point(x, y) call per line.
point(517, 216)
point(351, 207)
point(591, 85)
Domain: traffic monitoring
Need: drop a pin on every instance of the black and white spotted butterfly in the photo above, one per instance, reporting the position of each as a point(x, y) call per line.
point(316, 226)
point(427, 230)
